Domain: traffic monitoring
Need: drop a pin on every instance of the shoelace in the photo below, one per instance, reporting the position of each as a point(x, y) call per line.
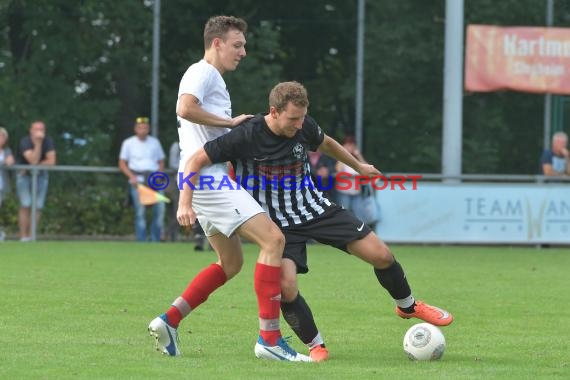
point(283, 342)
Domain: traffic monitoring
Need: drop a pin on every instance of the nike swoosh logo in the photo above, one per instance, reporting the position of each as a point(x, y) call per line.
point(444, 314)
point(360, 228)
point(260, 159)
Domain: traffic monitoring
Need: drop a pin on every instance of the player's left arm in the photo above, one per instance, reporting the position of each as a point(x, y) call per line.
point(332, 148)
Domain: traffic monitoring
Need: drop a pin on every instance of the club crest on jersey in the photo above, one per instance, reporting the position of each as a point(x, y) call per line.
point(298, 151)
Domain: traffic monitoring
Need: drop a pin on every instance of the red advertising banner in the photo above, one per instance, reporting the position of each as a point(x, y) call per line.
point(518, 58)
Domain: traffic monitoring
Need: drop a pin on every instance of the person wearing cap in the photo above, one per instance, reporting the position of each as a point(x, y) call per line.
point(141, 155)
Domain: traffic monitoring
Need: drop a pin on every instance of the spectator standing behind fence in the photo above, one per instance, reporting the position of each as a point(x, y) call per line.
point(35, 149)
point(140, 156)
point(556, 160)
point(6, 159)
point(360, 199)
point(323, 168)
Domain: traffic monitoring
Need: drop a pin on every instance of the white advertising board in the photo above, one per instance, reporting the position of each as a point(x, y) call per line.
point(476, 213)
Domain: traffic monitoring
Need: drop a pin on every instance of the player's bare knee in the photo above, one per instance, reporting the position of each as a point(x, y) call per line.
point(288, 290)
point(232, 269)
point(274, 241)
point(384, 257)
point(232, 266)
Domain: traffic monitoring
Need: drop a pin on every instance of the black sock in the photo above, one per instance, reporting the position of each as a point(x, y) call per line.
point(394, 281)
point(408, 310)
point(300, 318)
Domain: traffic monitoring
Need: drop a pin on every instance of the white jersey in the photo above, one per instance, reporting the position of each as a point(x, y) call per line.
point(142, 155)
point(205, 82)
point(223, 210)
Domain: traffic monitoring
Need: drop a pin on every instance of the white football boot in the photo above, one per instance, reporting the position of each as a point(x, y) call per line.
point(165, 335)
point(281, 351)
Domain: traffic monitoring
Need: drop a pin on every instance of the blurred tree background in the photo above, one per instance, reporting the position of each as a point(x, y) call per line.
point(84, 66)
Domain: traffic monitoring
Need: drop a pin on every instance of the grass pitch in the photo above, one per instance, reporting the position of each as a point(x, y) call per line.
point(80, 311)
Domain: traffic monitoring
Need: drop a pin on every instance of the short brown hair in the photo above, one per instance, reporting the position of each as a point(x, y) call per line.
point(218, 26)
point(288, 92)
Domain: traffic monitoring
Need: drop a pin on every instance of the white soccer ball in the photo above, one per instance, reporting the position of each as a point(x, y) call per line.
point(424, 341)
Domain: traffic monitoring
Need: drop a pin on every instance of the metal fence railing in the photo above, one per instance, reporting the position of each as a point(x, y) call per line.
point(34, 171)
point(121, 181)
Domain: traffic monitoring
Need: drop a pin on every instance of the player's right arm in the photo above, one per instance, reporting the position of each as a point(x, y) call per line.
point(185, 215)
point(221, 149)
point(189, 108)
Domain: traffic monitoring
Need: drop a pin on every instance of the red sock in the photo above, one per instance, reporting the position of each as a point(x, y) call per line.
point(266, 281)
point(204, 284)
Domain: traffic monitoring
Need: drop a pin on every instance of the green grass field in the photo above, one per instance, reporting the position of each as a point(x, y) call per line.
point(80, 311)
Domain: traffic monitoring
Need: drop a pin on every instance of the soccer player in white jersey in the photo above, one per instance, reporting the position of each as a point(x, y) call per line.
point(204, 113)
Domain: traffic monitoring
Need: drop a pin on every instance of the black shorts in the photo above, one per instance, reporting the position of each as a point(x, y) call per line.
point(336, 227)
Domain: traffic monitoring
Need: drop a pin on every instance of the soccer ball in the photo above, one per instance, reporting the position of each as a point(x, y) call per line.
point(424, 341)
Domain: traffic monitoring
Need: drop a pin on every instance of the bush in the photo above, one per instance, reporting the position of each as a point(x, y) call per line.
point(79, 204)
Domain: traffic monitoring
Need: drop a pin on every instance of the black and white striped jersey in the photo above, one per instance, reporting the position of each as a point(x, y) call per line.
point(275, 170)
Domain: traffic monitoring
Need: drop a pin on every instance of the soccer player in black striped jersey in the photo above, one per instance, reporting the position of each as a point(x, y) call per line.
point(269, 153)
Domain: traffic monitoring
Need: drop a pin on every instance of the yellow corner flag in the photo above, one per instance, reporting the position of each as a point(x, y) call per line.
point(148, 196)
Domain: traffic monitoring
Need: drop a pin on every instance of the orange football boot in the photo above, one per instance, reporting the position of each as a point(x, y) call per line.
point(428, 313)
point(319, 353)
